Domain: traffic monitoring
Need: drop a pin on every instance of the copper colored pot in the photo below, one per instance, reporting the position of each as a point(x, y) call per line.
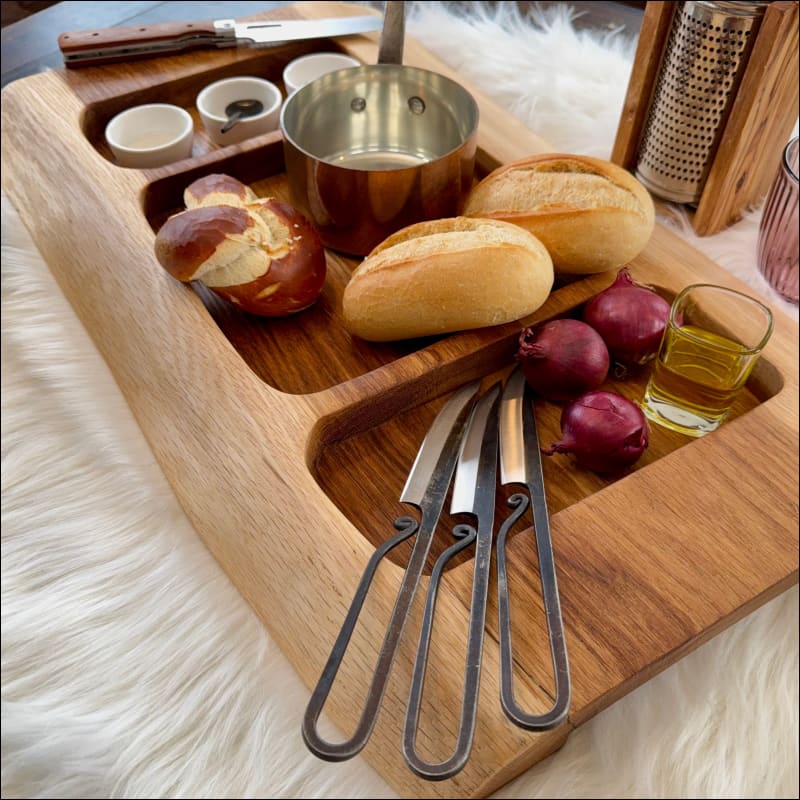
point(372, 149)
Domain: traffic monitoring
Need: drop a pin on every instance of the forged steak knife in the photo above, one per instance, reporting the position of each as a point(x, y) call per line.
point(426, 488)
point(521, 463)
point(473, 493)
point(92, 47)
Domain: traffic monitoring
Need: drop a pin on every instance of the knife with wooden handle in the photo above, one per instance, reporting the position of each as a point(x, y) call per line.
point(93, 47)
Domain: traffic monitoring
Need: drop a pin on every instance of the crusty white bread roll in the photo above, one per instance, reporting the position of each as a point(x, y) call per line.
point(217, 190)
point(264, 256)
point(447, 275)
point(590, 214)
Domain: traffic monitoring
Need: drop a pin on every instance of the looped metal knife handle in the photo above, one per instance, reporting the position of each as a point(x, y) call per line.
point(455, 763)
point(473, 493)
point(521, 463)
point(426, 488)
point(552, 607)
point(407, 527)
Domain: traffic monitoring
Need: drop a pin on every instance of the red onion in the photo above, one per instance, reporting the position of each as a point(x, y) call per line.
point(630, 318)
point(603, 430)
point(563, 358)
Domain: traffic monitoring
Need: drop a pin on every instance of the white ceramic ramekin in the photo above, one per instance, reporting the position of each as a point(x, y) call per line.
point(305, 69)
point(213, 99)
point(150, 135)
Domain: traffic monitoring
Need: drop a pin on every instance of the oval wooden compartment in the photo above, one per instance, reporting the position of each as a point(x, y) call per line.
point(287, 442)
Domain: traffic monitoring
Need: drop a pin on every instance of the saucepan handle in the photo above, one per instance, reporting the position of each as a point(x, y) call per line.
point(390, 50)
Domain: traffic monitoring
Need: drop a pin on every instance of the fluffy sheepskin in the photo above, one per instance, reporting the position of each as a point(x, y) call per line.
point(133, 668)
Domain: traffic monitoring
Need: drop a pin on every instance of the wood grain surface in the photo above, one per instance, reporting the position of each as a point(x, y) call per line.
point(653, 36)
point(288, 464)
point(760, 122)
point(758, 125)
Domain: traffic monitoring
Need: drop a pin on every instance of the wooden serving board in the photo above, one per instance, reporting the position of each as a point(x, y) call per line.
point(287, 441)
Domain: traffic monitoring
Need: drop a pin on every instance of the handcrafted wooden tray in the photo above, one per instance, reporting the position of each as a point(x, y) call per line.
point(287, 442)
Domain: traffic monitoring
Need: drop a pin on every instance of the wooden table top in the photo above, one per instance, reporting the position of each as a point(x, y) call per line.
point(30, 45)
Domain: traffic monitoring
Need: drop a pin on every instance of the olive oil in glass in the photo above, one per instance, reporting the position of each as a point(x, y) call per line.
point(710, 346)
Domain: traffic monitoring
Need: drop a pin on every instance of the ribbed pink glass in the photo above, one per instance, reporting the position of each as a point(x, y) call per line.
point(777, 238)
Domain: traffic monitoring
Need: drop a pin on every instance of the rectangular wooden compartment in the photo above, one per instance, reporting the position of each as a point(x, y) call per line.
point(287, 441)
point(323, 354)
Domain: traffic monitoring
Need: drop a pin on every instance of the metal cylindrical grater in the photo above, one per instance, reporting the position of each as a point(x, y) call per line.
point(701, 68)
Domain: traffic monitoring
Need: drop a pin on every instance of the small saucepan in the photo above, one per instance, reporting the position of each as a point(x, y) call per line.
point(372, 149)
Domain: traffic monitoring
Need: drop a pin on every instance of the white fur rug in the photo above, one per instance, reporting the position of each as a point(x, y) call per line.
point(132, 668)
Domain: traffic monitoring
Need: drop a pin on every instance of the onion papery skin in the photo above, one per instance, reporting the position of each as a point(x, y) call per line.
point(563, 358)
point(630, 318)
point(604, 431)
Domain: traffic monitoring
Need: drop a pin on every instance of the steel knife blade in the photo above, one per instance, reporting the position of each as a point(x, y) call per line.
point(521, 463)
point(473, 493)
point(107, 45)
point(426, 488)
point(430, 452)
point(513, 467)
point(476, 471)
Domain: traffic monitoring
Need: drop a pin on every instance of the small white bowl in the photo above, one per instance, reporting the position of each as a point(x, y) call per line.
point(150, 135)
point(305, 69)
point(214, 99)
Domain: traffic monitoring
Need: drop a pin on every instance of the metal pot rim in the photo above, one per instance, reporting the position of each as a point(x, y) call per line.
point(339, 81)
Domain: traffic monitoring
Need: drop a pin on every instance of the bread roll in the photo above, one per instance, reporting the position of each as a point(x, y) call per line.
point(217, 189)
point(446, 275)
point(590, 214)
point(263, 256)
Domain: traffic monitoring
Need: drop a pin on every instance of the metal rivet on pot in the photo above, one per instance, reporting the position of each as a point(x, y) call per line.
point(358, 104)
point(416, 104)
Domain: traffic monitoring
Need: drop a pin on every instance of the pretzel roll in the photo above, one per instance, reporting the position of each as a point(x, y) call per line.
point(217, 189)
point(263, 256)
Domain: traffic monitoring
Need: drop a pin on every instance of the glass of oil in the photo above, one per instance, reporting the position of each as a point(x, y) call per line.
point(711, 344)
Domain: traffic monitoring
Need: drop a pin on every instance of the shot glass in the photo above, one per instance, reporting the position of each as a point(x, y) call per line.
point(712, 341)
point(778, 234)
